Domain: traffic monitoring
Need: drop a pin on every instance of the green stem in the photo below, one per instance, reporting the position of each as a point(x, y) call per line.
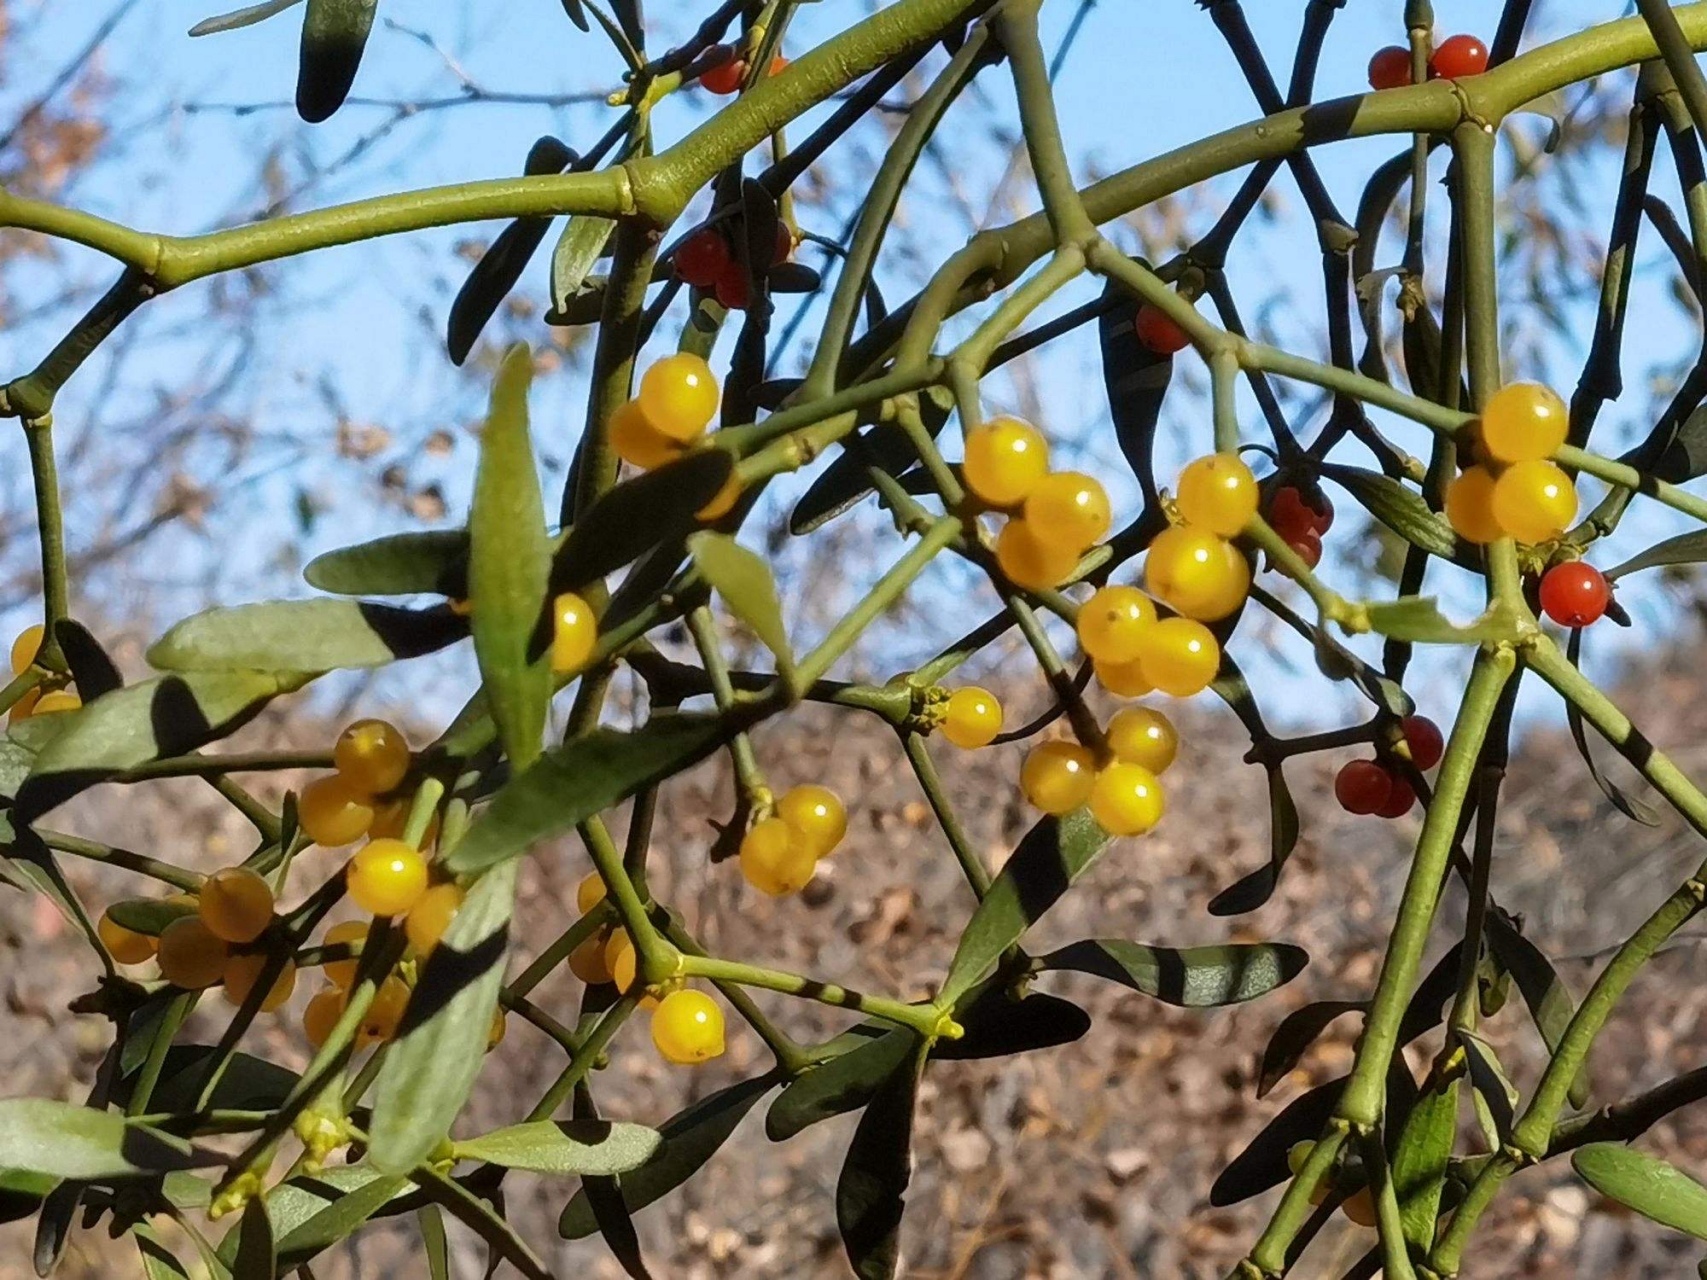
point(1016, 23)
point(747, 773)
point(921, 1018)
point(38, 432)
point(657, 957)
point(142, 864)
point(589, 1052)
point(1679, 57)
point(924, 768)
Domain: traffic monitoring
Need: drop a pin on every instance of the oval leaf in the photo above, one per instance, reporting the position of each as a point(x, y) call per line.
point(1549, 1001)
point(338, 1219)
point(398, 565)
point(1420, 1162)
point(844, 1083)
point(1297, 1031)
point(745, 583)
point(580, 246)
point(257, 1255)
point(1646, 1184)
point(304, 635)
point(1191, 977)
point(637, 515)
point(81, 1143)
point(91, 667)
point(334, 33)
point(1400, 509)
point(594, 1147)
point(244, 17)
point(871, 1194)
point(996, 1025)
point(1136, 380)
point(1685, 548)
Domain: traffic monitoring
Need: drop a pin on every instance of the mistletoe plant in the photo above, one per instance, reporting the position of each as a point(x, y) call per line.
point(418, 989)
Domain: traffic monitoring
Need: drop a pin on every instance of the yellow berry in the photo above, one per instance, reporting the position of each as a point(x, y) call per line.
point(687, 1027)
point(190, 955)
point(587, 961)
point(1068, 510)
point(1005, 458)
point(391, 820)
point(430, 917)
point(723, 501)
point(1534, 501)
point(1126, 799)
point(1524, 421)
point(1180, 657)
point(590, 892)
point(679, 395)
point(1295, 1158)
point(574, 633)
point(57, 700)
point(775, 859)
point(1057, 776)
point(1112, 624)
point(623, 959)
point(1143, 736)
point(236, 904)
point(385, 1014)
point(1470, 506)
point(1200, 575)
point(1217, 493)
point(244, 971)
point(637, 442)
point(1123, 679)
point(25, 647)
point(24, 707)
point(322, 1015)
point(386, 877)
point(1028, 562)
point(1359, 1206)
point(351, 933)
point(334, 813)
point(972, 718)
point(126, 945)
point(372, 756)
point(816, 816)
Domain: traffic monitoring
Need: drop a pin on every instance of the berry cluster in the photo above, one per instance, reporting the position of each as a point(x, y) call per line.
point(371, 759)
point(1376, 786)
point(1053, 517)
point(1512, 490)
point(1453, 59)
point(707, 260)
point(678, 398)
point(35, 702)
point(780, 853)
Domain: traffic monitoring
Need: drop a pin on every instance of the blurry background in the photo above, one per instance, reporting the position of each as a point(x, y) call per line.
point(236, 428)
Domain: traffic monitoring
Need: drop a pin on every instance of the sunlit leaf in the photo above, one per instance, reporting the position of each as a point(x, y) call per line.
point(1645, 1183)
point(1191, 977)
point(744, 581)
point(304, 635)
point(399, 564)
point(592, 1147)
point(83, 1143)
point(244, 17)
point(844, 1083)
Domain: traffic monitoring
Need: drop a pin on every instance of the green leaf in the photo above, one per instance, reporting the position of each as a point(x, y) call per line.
point(91, 667)
point(431, 1065)
point(847, 480)
point(842, 1084)
point(584, 777)
point(687, 1140)
point(1494, 1095)
point(1420, 1162)
point(21, 1193)
point(334, 33)
point(1621, 800)
point(244, 17)
point(337, 1220)
point(431, 1221)
point(996, 1025)
point(1052, 855)
point(149, 915)
point(257, 1257)
point(1253, 890)
point(1645, 1183)
point(81, 1143)
point(508, 562)
point(1190, 977)
point(1685, 548)
point(744, 581)
point(504, 261)
point(1685, 457)
point(596, 1147)
point(577, 13)
point(1136, 381)
point(400, 564)
point(639, 514)
point(1297, 1031)
point(1401, 509)
point(292, 1204)
point(580, 246)
point(871, 1194)
point(1550, 1003)
point(304, 635)
point(157, 1260)
point(1418, 619)
point(166, 716)
point(247, 1083)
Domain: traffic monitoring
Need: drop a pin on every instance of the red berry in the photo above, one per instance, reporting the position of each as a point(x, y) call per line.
point(725, 76)
point(703, 258)
point(1322, 510)
point(1159, 332)
point(733, 290)
point(1400, 797)
point(1575, 594)
point(1390, 67)
point(1308, 546)
point(1362, 786)
point(1291, 516)
point(1459, 56)
point(1424, 738)
point(784, 245)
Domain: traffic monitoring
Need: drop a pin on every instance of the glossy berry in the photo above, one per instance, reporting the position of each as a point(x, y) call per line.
point(587, 961)
point(625, 967)
point(333, 813)
point(386, 878)
point(574, 633)
point(1005, 459)
point(1143, 736)
point(1196, 573)
point(816, 815)
point(190, 955)
point(1359, 1206)
point(430, 917)
point(734, 289)
point(1217, 493)
point(1523, 421)
point(126, 945)
point(725, 77)
point(590, 892)
point(972, 718)
point(1470, 506)
point(236, 904)
point(1575, 594)
point(25, 647)
point(1057, 777)
point(385, 1014)
point(703, 257)
point(1534, 501)
point(24, 707)
point(1180, 657)
point(1362, 786)
point(1159, 332)
point(244, 971)
point(1292, 514)
point(1113, 623)
point(1400, 797)
point(351, 933)
point(679, 395)
point(637, 442)
point(1068, 510)
point(391, 820)
point(687, 1027)
point(1030, 562)
point(57, 700)
point(775, 860)
point(322, 1015)
point(1126, 799)
point(1459, 56)
point(1307, 547)
point(723, 501)
point(1390, 68)
point(1123, 679)
point(371, 755)
point(1425, 740)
